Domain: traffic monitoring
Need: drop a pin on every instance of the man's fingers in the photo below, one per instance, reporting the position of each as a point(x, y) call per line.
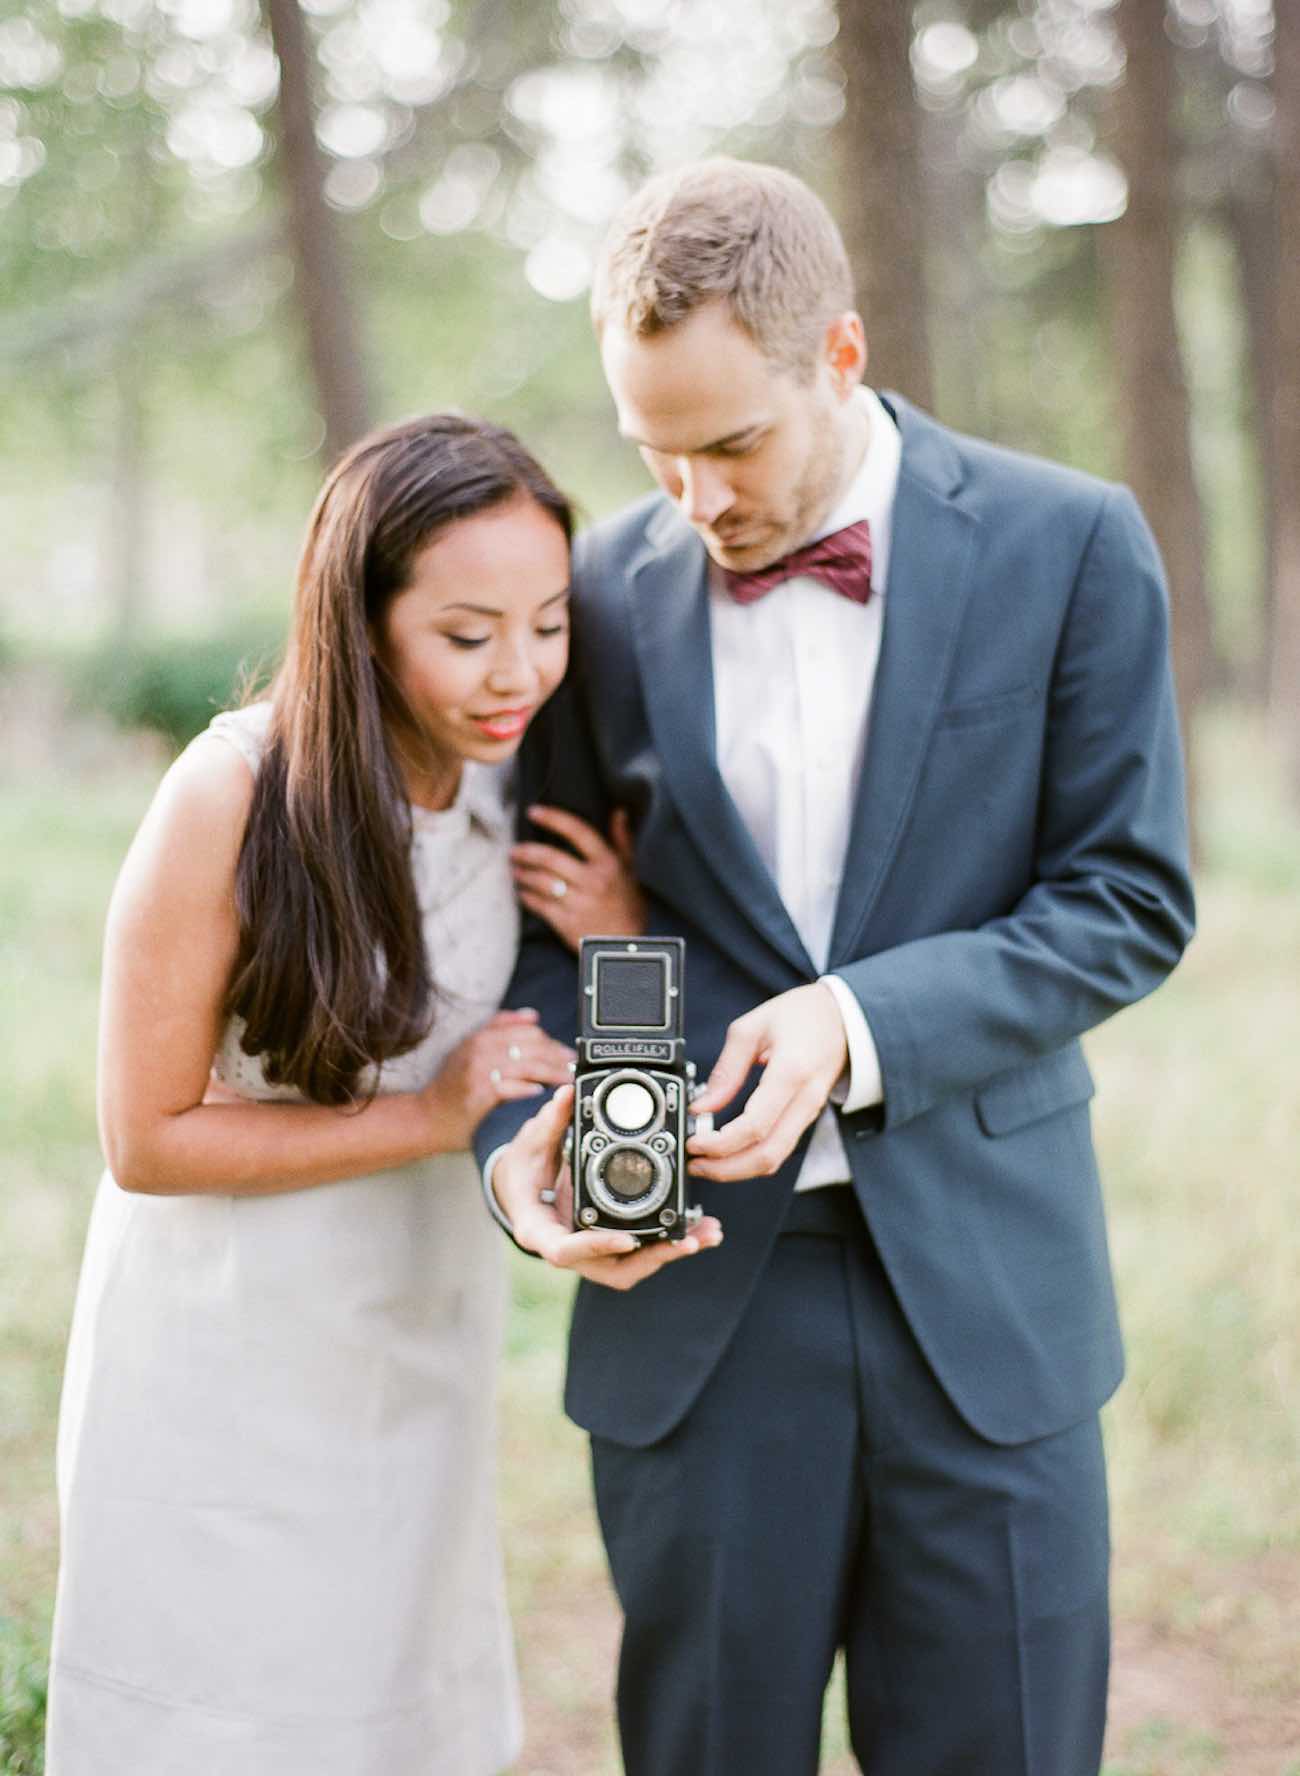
point(627, 1272)
point(762, 1138)
point(739, 1053)
point(545, 1232)
point(543, 1133)
point(585, 840)
point(761, 1157)
point(606, 1257)
point(769, 1101)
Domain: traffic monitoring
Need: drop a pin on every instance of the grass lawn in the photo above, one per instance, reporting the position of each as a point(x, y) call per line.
point(1198, 1119)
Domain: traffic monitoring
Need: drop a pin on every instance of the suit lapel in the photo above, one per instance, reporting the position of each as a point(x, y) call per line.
point(930, 559)
point(668, 595)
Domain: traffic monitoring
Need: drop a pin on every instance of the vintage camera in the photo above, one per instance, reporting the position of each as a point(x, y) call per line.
point(633, 1087)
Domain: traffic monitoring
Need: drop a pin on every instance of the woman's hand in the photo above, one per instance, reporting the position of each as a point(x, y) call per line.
point(532, 1163)
point(594, 893)
point(510, 1057)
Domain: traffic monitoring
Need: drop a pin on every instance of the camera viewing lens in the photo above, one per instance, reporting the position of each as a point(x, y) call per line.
point(627, 1174)
point(629, 1107)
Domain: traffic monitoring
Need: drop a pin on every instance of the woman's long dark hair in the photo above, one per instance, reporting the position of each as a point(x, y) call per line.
point(331, 974)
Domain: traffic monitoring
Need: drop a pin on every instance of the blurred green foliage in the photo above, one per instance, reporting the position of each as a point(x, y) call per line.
point(143, 283)
point(173, 687)
point(22, 1702)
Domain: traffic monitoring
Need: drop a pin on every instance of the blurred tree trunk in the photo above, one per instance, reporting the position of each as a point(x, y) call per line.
point(1285, 700)
point(1140, 251)
point(882, 200)
point(963, 302)
point(321, 284)
point(1251, 219)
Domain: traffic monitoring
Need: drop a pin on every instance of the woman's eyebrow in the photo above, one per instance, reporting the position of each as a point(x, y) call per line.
point(487, 610)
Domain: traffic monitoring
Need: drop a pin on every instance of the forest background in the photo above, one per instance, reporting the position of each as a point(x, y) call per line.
point(234, 233)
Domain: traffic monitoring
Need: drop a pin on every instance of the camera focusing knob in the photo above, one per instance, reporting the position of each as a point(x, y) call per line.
point(701, 1124)
point(693, 1215)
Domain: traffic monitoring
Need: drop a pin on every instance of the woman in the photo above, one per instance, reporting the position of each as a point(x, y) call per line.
point(275, 1450)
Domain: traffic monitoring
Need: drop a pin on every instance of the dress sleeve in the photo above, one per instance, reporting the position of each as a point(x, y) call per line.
point(244, 729)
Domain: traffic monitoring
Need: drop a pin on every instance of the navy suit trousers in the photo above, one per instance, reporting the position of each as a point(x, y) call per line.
point(824, 1493)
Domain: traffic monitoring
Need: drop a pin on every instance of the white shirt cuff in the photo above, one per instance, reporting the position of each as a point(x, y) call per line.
point(865, 1086)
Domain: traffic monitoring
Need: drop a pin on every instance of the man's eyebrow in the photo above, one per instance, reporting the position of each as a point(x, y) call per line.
point(487, 610)
point(727, 443)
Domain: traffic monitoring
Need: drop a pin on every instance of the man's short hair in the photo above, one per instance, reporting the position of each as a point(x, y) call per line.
point(734, 230)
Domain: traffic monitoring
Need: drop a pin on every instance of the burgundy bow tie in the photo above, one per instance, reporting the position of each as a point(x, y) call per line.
point(841, 561)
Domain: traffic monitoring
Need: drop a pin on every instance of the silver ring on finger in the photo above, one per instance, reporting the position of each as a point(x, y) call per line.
point(514, 1052)
point(559, 887)
point(495, 1077)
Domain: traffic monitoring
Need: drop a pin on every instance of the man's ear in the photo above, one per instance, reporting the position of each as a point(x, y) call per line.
point(844, 352)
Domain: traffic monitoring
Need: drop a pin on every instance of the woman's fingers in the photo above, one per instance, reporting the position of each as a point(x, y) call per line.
point(535, 855)
point(586, 841)
point(543, 875)
point(622, 838)
point(514, 1058)
point(565, 917)
point(517, 1088)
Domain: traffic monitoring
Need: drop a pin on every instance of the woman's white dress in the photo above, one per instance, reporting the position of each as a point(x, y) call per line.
point(276, 1442)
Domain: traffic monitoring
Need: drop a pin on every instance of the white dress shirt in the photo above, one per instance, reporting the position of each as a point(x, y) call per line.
point(793, 676)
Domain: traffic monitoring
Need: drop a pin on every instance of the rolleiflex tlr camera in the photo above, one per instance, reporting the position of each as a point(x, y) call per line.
point(632, 1089)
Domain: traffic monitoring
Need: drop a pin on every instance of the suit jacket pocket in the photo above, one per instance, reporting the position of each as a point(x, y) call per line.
point(1027, 1094)
point(1001, 707)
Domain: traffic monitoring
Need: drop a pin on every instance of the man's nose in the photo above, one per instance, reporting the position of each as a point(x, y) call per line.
point(705, 492)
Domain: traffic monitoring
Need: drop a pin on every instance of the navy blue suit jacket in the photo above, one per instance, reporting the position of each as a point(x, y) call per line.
point(1016, 872)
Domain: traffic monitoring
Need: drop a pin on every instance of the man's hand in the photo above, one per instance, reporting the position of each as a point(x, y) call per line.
point(531, 1163)
point(798, 1039)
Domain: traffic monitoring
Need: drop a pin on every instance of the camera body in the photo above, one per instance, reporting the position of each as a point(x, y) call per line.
point(632, 1089)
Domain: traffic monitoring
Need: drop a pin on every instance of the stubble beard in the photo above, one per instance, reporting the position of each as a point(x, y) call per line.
point(815, 493)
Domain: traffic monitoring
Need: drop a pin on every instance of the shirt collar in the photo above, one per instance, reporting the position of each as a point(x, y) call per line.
point(486, 792)
point(871, 492)
point(483, 798)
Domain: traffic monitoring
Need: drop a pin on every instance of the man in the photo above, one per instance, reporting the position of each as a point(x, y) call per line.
point(914, 799)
